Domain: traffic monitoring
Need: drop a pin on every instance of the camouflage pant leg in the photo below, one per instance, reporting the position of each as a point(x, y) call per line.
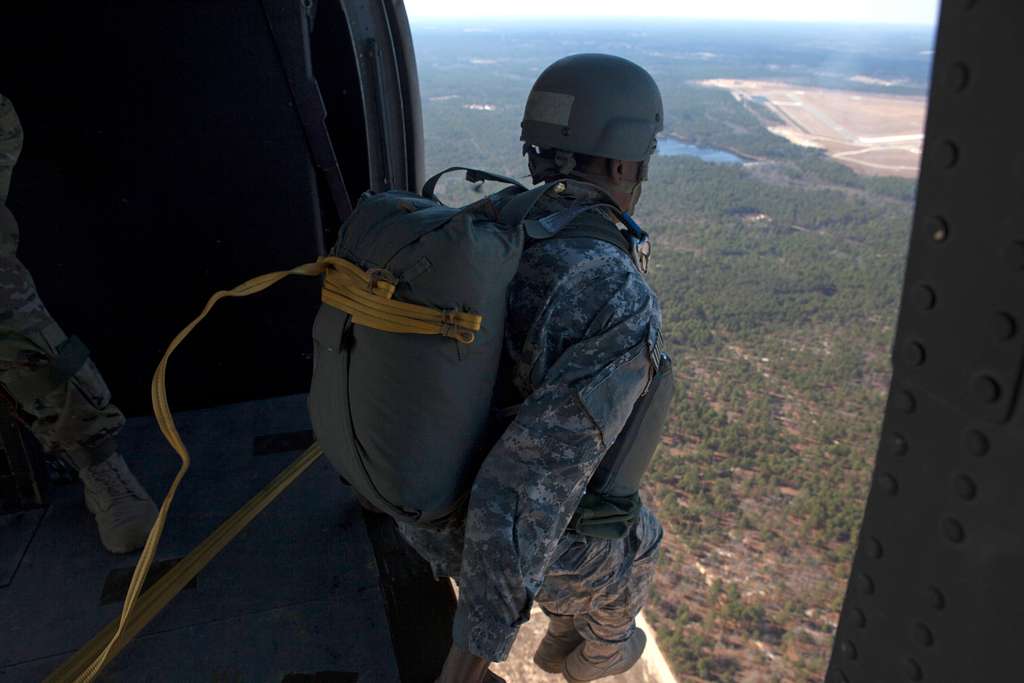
point(10, 144)
point(58, 393)
point(56, 390)
point(603, 584)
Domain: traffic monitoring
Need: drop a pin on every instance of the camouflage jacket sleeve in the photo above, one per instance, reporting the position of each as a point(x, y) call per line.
point(602, 329)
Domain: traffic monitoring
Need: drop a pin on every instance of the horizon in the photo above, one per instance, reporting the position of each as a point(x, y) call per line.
point(484, 22)
point(916, 13)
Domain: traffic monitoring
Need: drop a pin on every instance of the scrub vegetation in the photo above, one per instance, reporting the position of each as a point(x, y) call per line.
point(779, 281)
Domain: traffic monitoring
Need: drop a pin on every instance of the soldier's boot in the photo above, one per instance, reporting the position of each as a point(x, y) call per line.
point(561, 639)
point(124, 511)
point(581, 665)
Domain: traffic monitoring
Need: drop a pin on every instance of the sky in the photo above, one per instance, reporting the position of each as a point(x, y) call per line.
point(921, 12)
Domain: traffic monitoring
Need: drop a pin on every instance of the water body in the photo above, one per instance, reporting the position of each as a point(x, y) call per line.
point(670, 147)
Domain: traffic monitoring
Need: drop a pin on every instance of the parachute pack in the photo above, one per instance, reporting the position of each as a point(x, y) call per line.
point(406, 419)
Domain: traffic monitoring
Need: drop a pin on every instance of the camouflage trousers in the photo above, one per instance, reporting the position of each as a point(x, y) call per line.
point(602, 584)
point(45, 378)
point(10, 144)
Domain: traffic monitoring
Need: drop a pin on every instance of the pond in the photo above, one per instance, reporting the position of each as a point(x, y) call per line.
point(671, 147)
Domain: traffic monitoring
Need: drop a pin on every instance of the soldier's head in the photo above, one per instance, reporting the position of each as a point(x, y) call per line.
point(594, 117)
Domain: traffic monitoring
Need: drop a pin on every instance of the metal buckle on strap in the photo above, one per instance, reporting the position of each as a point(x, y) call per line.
point(451, 328)
point(640, 242)
point(378, 275)
point(641, 248)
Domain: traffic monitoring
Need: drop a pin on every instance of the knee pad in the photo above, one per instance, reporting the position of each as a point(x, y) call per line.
point(8, 232)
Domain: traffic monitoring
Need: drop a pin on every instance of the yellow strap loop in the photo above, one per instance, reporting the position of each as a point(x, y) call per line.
point(368, 300)
point(364, 295)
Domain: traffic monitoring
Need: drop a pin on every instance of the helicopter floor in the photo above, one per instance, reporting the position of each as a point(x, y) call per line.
point(298, 596)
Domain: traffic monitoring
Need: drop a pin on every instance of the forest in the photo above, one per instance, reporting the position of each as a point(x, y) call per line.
point(779, 282)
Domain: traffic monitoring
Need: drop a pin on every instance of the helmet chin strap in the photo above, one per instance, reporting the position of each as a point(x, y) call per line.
point(637, 191)
point(565, 162)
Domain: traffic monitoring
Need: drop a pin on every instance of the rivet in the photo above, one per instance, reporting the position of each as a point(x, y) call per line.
point(888, 484)
point(1015, 256)
point(938, 228)
point(953, 530)
point(897, 445)
point(924, 297)
point(923, 635)
point(936, 598)
point(912, 669)
point(559, 188)
point(565, 132)
point(873, 548)
point(957, 77)
point(1004, 327)
point(906, 402)
point(984, 389)
point(947, 154)
point(858, 618)
point(975, 443)
point(965, 487)
point(866, 584)
point(848, 649)
point(913, 354)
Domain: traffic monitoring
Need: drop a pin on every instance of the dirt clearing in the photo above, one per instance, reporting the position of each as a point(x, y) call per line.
point(872, 133)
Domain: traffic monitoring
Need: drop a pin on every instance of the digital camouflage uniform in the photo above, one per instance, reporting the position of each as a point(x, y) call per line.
point(60, 396)
point(580, 346)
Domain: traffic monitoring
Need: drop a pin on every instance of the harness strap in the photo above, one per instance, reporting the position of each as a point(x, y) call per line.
point(607, 233)
point(516, 209)
point(473, 176)
point(290, 31)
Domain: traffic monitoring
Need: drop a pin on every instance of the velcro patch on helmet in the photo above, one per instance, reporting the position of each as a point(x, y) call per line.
point(549, 107)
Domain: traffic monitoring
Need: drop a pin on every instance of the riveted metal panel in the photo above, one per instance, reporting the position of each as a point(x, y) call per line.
point(936, 590)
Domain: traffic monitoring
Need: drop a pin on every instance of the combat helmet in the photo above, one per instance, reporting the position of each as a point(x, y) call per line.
point(593, 104)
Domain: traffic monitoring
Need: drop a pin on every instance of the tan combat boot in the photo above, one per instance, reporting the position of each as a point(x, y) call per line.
point(580, 666)
point(124, 511)
point(558, 642)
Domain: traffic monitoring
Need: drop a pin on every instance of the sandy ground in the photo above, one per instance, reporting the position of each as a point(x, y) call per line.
point(519, 668)
point(872, 133)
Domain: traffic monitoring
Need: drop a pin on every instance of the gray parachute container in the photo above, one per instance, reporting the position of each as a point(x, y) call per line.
point(404, 418)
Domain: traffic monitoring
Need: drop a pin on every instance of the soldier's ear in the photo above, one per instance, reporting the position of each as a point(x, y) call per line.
point(616, 170)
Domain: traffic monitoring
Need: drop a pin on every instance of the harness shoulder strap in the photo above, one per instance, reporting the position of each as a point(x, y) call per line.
point(599, 230)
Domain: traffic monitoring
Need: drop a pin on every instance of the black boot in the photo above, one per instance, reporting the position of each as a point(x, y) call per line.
point(558, 642)
point(580, 667)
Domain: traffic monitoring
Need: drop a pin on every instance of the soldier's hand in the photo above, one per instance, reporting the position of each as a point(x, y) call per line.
point(464, 667)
